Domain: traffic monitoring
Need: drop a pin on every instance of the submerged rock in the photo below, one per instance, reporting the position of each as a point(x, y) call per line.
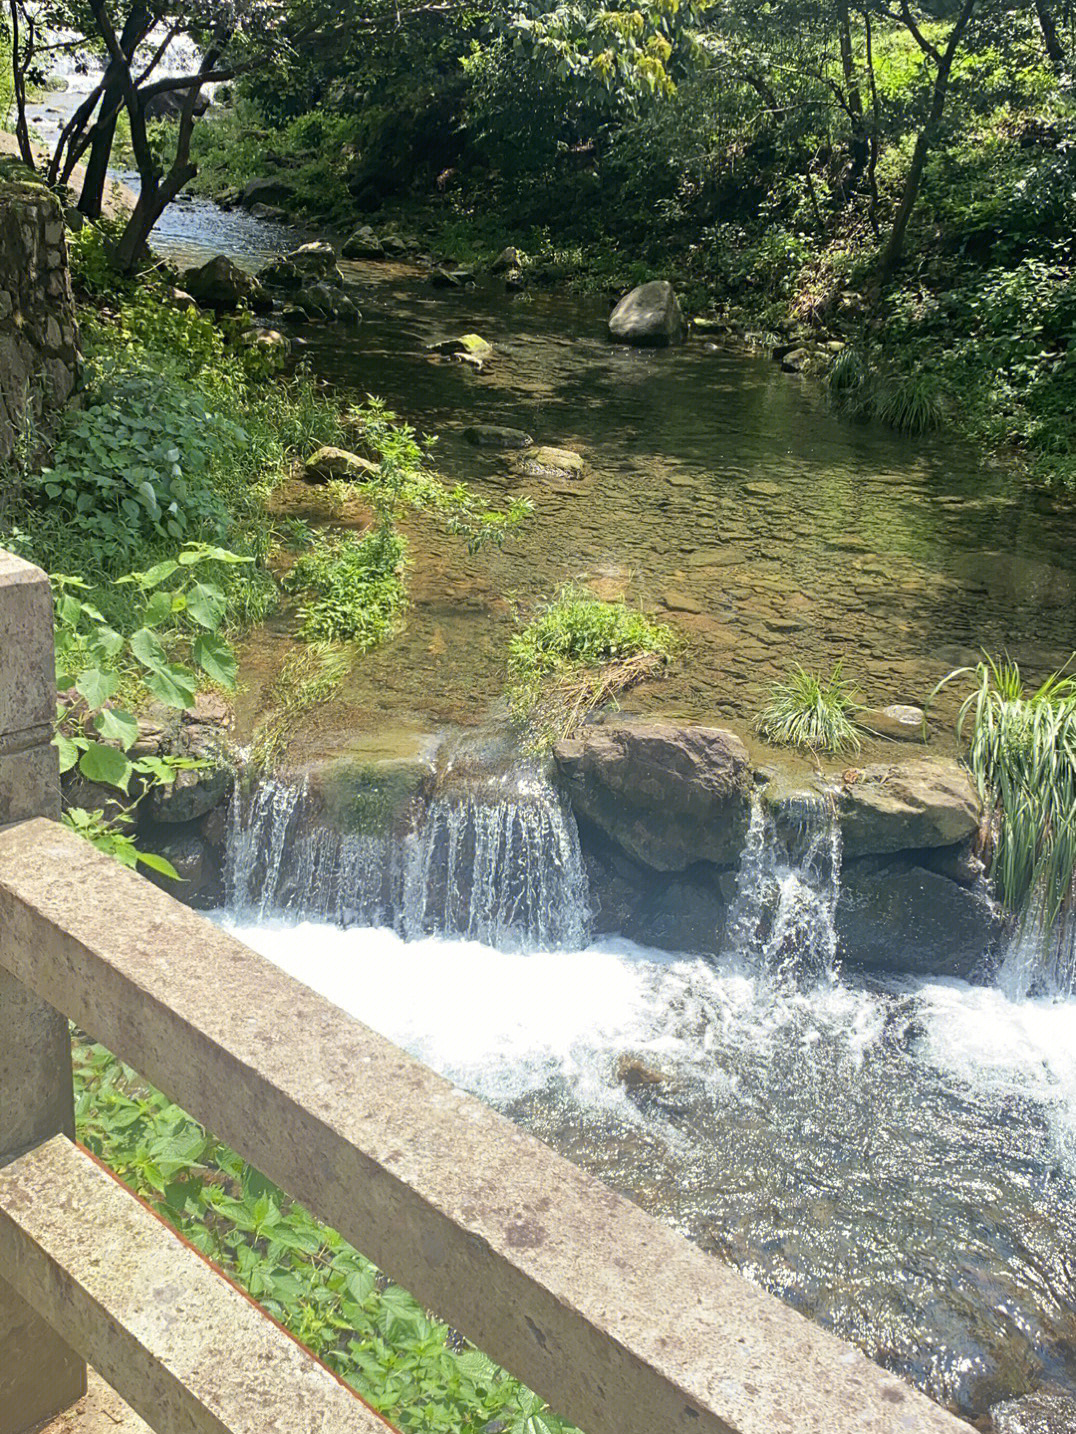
point(472, 344)
point(648, 317)
point(553, 463)
point(899, 722)
point(893, 916)
point(451, 278)
point(913, 803)
point(668, 794)
point(635, 1073)
point(493, 435)
point(330, 464)
point(1035, 1414)
point(219, 284)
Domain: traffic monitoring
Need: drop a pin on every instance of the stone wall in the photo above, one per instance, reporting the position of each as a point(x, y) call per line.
point(38, 332)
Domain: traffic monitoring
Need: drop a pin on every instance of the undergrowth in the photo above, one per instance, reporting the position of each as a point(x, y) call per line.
point(576, 654)
point(412, 1368)
point(351, 588)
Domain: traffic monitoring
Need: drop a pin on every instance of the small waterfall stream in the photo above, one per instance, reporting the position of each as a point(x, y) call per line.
point(499, 866)
point(782, 920)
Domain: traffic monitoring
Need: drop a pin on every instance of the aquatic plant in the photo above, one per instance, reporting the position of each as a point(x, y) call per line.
point(1023, 755)
point(311, 675)
point(352, 588)
point(812, 712)
point(575, 654)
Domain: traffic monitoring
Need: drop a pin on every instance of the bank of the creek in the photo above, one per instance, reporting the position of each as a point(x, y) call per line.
point(893, 1153)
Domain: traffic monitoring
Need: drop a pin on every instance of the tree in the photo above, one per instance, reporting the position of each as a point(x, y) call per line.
point(134, 39)
point(942, 59)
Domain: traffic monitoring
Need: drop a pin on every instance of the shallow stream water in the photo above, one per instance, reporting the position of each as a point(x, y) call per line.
point(721, 493)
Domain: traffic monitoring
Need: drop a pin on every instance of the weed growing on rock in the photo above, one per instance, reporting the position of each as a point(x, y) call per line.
point(577, 653)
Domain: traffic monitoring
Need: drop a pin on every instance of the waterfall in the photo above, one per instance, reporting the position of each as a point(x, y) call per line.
point(1040, 960)
point(783, 917)
point(500, 865)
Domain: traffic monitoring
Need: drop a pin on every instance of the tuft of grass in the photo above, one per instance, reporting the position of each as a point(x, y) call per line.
point(577, 653)
point(310, 677)
point(351, 588)
point(812, 712)
point(911, 403)
point(1023, 756)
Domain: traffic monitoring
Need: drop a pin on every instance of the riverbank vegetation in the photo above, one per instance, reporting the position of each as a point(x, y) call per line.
point(422, 1376)
point(1023, 755)
point(576, 654)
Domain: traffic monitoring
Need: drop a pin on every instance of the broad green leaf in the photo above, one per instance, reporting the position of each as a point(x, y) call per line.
point(116, 726)
point(206, 605)
point(216, 659)
point(147, 648)
point(173, 686)
point(68, 751)
point(104, 764)
point(158, 609)
point(96, 686)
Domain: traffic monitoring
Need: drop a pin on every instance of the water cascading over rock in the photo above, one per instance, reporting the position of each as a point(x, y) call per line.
point(498, 863)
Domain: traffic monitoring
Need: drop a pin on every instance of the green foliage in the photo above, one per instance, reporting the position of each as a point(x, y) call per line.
point(1023, 755)
point(351, 588)
point(309, 677)
point(813, 712)
point(576, 653)
point(413, 1369)
point(178, 605)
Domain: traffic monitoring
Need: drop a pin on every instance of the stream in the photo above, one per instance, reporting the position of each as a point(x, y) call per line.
point(896, 1158)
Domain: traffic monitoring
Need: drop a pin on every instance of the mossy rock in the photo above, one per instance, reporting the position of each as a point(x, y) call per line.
point(472, 344)
point(331, 464)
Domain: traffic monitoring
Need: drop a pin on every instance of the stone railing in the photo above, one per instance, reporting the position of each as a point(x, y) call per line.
point(621, 1324)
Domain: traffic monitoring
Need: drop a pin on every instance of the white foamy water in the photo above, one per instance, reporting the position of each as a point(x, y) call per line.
point(504, 1024)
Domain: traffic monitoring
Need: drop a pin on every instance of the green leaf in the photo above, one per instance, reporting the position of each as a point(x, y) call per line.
point(159, 864)
point(174, 686)
point(158, 609)
point(146, 647)
point(206, 605)
point(96, 686)
point(68, 751)
point(104, 764)
point(117, 726)
point(216, 659)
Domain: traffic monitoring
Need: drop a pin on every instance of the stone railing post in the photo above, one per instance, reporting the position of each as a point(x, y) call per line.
point(39, 1374)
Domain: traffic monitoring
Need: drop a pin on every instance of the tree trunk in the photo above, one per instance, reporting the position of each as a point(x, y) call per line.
point(1051, 37)
point(943, 68)
point(91, 200)
point(858, 144)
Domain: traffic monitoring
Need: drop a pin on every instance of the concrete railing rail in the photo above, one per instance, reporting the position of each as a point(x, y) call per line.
point(620, 1323)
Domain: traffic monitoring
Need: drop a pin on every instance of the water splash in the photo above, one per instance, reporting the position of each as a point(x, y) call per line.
point(1040, 959)
point(783, 917)
point(501, 866)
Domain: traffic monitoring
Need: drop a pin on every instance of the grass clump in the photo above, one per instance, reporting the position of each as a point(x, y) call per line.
point(812, 712)
point(1023, 756)
point(351, 588)
point(311, 675)
point(577, 653)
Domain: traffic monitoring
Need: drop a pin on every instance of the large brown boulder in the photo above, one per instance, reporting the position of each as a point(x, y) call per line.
point(219, 284)
point(909, 804)
point(668, 794)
